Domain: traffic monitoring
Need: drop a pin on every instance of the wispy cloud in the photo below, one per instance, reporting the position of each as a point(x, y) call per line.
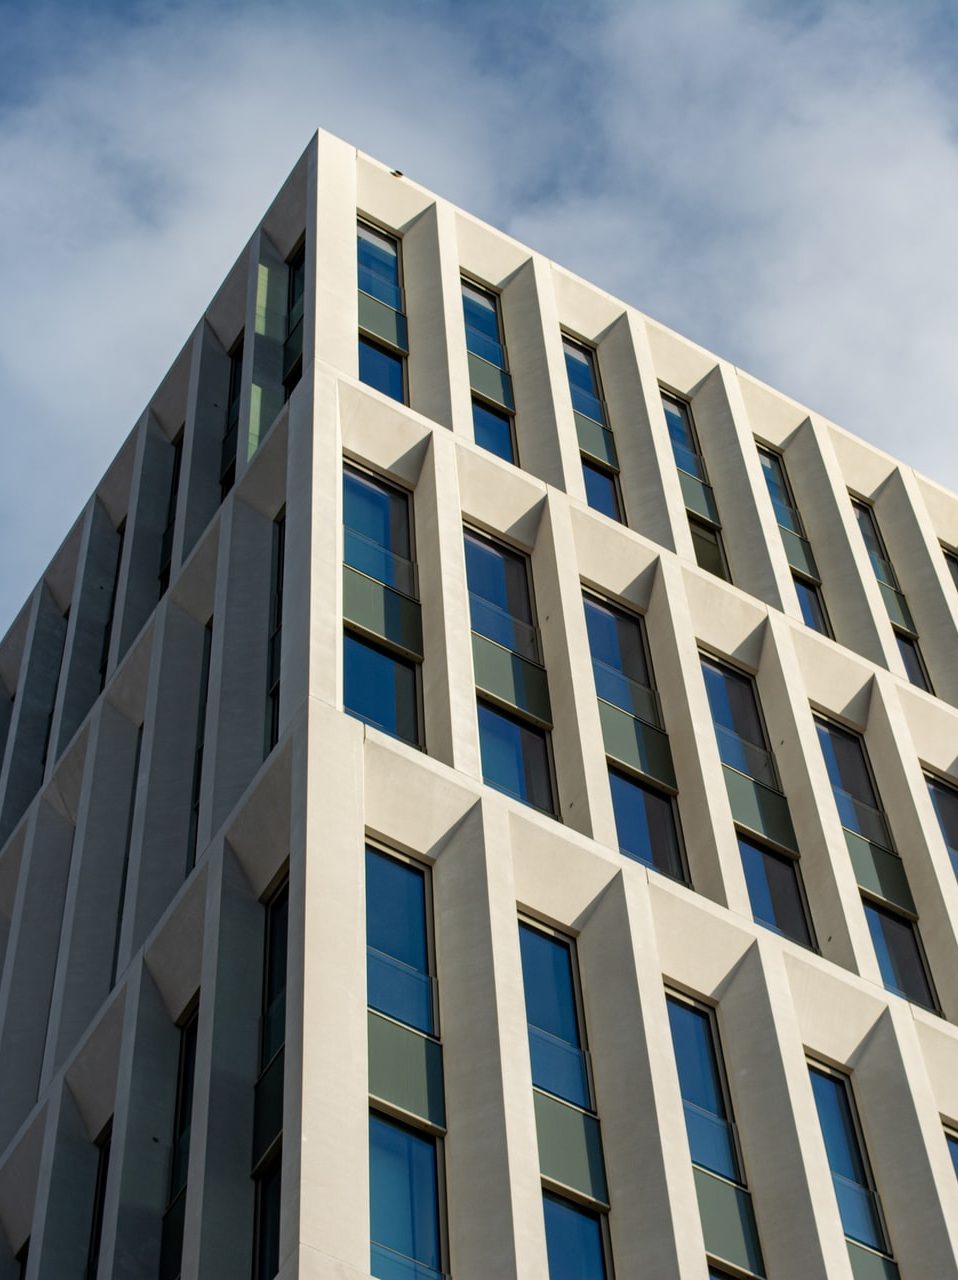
point(778, 182)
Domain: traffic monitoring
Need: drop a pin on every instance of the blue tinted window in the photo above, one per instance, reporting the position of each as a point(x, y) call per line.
point(558, 1064)
point(774, 892)
point(618, 659)
point(601, 491)
point(381, 369)
point(706, 1119)
point(397, 955)
point(493, 431)
point(812, 607)
point(774, 472)
point(573, 1241)
point(376, 530)
point(515, 758)
point(380, 688)
point(856, 1201)
point(899, 957)
point(403, 1202)
point(645, 824)
point(874, 545)
point(945, 800)
point(911, 657)
point(583, 386)
point(738, 726)
point(851, 783)
point(499, 602)
point(481, 313)
point(378, 263)
point(953, 1150)
point(684, 446)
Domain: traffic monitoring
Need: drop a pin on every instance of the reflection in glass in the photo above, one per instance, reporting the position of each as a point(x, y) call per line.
point(857, 1202)
point(601, 490)
point(481, 314)
point(778, 490)
point(645, 824)
point(558, 1061)
point(380, 688)
point(382, 369)
point(773, 891)
point(899, 956)
point(378, 264)
point(403, 1202)
point(397, 973)
point(619, 666)
point(684, 445)
point(376, 531)
point(573, 1240)
point(706, 1118)
point(515, 757)
point(945, 800)
point(492, 430)
point(583, 385)
point(812, 606)
point(499, 598)
point(851, 783)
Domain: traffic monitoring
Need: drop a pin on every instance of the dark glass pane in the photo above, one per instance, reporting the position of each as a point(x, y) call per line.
point(269, 1187)
point(774, 473)
point(899, 956)
point(99, 1200)
point(499, 602)
point(601, 491)
point(481, 313)
point(856, 1201)
point(378, 263)
point(397, 972)
point(515, 758)
point(710, 1136)
point(708, 549)
point(911, 657)
point(738, 726)
point(573, 1241)
point(874, 545)
point(274, 982)
point(376, 531)
point(945, 800)
point(618, 659)
point(580, 367)
point(684, 446)
point(183, 1122)
point(558, 1064)
point(403, 1202)
point(851, 784)
point(951, 559)
point(812, 607)
point(774, 892)
point(645, 824)
point(380, 689)
point(381, 369)
point(493, 431)
point(953, 1150)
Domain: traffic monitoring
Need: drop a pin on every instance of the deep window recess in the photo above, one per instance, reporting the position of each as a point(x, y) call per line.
point(711, 1133)
point(171, 1246)
point(267, 1173)
point(404, 1211)
point(559, 1061)
point(108, 626)
point(574, 1240)
point(382, 638)
point(275, 642)
point(103, 1143)
point(197, 786)
point(273, 1035)
point(704, 523)
point(945, 800)
point(398, 964)
point(600, 464)
point(293, 345)
point(231, 432)
point(492, 403)
point(899, 614)
point(382, 321)
point(125, 870)
point(851, 1177)
point(798, 551)
point(166, 541)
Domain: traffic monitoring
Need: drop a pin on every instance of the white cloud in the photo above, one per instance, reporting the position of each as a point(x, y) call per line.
point(782, 190)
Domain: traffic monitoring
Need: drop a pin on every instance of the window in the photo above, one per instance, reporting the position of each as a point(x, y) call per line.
point(99, 1199)
point(381, 677)
point(197, 785)
point(382, 362)
point(812, 605)
point(707, 1115)
point(493, 430)
point(111, 609)
point(774, 891)
point(231, 432)
point(398, 968)
point(483, 331)
point(738, 724)
point(404, 1215)
point(709, 552)
point(559, 1063)
point(267, 1173)
point(273, 1021)
point(293, 346)
point(899, 953)
point(275, 643)
point(685, 447)
point(913, 662)
point(798, 552)
point(898, 612)
point(268, 1194)
point(22, 1258)
point(171, 1245)
point(851, 1177)
point(951, 560)
point(166, 542)
point(850, 776)
point(952, 1140)
point(945, 800)
point(645, 824)
point(620, 665)
point(601, 482)
point(515, 757)
point(704, 523)
point(574, 1240)
point(500, 601)
point(125, 870)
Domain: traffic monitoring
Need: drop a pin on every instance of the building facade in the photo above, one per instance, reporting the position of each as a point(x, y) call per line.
point(479, 797)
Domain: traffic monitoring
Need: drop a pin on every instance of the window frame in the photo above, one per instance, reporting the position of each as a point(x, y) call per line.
point(385, 850)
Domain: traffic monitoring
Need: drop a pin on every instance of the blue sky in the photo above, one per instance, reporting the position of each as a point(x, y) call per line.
point(779, 182)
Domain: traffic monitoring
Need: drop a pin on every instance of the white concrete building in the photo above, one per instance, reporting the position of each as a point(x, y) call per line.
point(649, 735)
